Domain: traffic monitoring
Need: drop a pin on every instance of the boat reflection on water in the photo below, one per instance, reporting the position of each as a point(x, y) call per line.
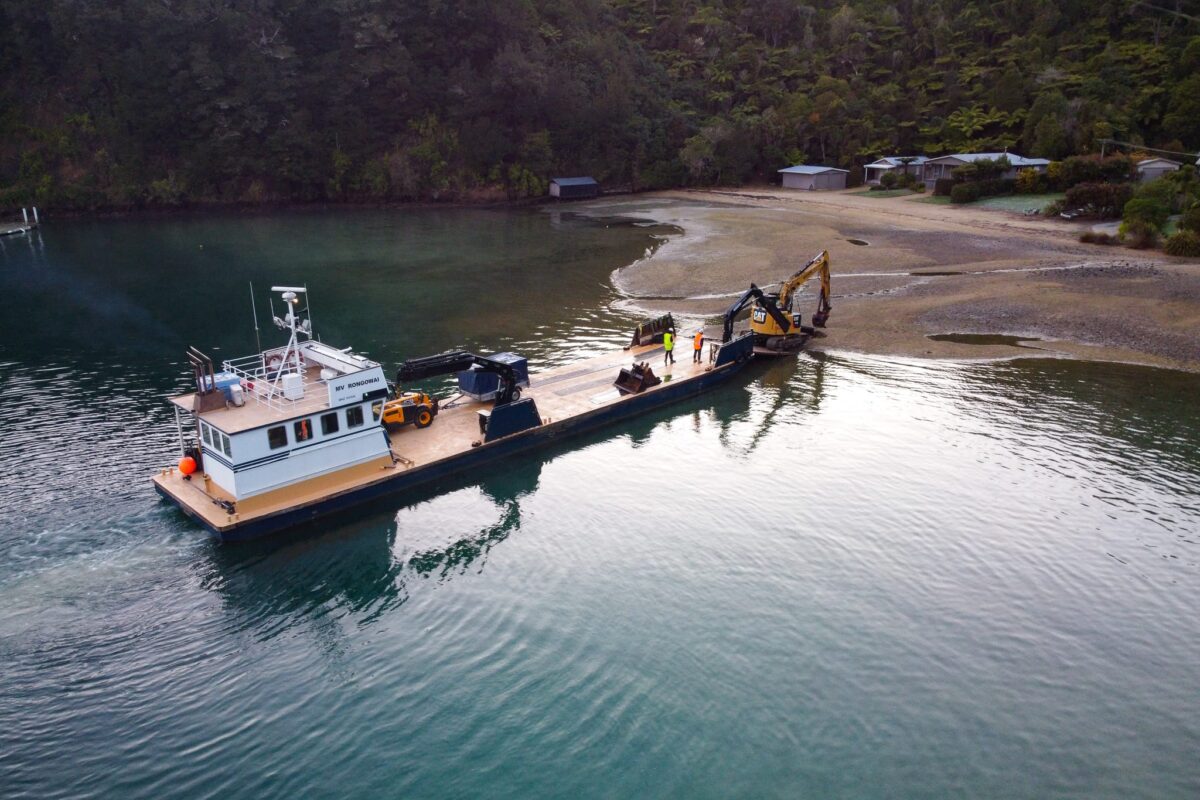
point(367, 560)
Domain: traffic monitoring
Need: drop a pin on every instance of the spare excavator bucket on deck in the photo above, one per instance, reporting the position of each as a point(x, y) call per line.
point(636, 379)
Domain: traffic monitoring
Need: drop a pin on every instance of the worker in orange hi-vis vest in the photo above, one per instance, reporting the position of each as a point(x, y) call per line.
point(697, 346)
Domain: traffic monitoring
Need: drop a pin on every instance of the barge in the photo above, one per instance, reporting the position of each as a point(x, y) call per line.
point(297, 432)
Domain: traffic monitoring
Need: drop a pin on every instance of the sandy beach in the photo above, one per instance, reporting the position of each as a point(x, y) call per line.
point(905, 270)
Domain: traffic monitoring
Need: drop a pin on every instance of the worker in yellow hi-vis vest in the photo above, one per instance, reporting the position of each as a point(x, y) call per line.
point(697, 346)
point(668, 348)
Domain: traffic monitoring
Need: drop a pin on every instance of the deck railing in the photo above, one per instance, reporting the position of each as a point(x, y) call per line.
point(259, 376)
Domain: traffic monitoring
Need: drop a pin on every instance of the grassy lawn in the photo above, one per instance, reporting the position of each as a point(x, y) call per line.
point(941, 201)
point(885, 193)
point(1019, 202)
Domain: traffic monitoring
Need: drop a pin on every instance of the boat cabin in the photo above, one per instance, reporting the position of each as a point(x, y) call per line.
point(284, 415)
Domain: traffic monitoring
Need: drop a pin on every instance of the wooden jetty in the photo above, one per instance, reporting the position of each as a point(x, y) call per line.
point(17, 228)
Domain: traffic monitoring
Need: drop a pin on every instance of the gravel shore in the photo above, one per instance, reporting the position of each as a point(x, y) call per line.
point(904, 269)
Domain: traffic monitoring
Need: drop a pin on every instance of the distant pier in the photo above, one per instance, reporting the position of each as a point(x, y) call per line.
point(25, 226)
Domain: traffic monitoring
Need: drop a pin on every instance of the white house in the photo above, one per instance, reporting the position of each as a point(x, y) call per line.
point(1150, 168)
point(944, 166)
point(814, 177)
point(877, 169)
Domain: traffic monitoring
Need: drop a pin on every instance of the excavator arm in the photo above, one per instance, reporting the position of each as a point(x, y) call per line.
point(415, 369)
point(817, 266)
point(752, 295)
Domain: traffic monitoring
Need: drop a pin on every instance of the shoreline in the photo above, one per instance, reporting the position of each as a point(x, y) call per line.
point(924, 270)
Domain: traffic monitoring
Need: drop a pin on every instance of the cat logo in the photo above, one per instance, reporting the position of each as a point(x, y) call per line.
point(760, 315)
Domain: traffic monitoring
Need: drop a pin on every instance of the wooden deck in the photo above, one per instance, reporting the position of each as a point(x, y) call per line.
point(15, 228)
point(561, 393)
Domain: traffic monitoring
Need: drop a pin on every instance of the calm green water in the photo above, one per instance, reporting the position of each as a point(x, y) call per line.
point(835, 577)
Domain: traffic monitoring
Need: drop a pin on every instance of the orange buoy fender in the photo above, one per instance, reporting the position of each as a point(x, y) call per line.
point(187, 465)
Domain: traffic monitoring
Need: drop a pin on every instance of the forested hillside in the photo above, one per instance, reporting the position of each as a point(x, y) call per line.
point(162, 102)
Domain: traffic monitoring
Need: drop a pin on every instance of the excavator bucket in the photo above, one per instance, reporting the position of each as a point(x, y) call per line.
point(651, 331)
point(636, 379)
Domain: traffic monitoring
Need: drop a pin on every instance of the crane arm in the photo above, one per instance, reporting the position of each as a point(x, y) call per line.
point(415, 369)
point(818, 265)
point(751, 295)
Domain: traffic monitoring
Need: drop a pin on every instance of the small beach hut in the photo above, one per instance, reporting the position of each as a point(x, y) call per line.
point(1150, 168)
point(813, 178)
point(574, 188)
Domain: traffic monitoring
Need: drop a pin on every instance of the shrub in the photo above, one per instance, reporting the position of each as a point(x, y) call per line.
point(1105, 200)
point(1030, 181)
point(1139, 235)
point(943, 186)
point(1092, 169)
point(983, 169)
point(965, 193)
point(1054, 208)
point(889, 180)
point(1184, 243)
point(1096, 237)
point(919, 188)
point(1149, 210)
point(1190, 221)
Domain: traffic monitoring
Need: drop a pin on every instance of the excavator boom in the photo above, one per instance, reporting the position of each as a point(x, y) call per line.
point(818, 265)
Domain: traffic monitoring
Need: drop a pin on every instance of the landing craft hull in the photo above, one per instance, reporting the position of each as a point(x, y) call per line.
point(487, 453)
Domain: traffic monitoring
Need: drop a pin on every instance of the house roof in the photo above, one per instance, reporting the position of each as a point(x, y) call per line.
point(1163, 161)
point(806, 169)
point(1013, 158)
point(887, 162)
point(574, 181)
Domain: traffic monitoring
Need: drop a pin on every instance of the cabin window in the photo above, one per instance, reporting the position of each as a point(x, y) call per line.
point(376, 410)
point(207, 433)
point(277, 437)
point(225, 445)
point(329, 423)
point(304, 430)
point(354, 416)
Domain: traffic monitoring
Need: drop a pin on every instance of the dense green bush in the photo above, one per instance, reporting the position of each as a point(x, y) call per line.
point(973, 190)
point(965, 193)
point(1149, 209)
point(889, 180)
point(1096, 237)
point(1104, 200)
point(982, 170)
point(943, 186)
point(1190, 221)
point(1030, 181)
point(1092, 169)
point(1139, 235)
point(1184, 243)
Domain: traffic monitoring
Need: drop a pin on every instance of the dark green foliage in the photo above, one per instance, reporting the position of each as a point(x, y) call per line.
point(969, 192)
point(1139, 235)
point(1094, 169)
point(889, 180)
point(1030, 181)
point(1147, 210)
point(1190, 221)
point(965, 193)
point(133, 102)
point(1183, 243)
point(1094, 237)
point(1103, 200)
point(943, 186)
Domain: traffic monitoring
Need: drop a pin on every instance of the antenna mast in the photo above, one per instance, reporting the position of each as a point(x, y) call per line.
point(254, 311)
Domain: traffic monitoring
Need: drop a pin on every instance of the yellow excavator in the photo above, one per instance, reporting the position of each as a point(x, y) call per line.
point(770, 334)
